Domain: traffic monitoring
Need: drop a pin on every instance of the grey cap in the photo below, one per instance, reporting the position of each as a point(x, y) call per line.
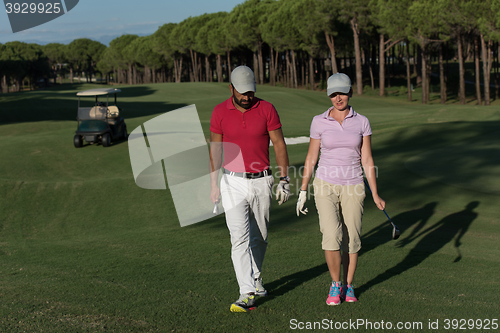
point(243, 79)
point(338, 82)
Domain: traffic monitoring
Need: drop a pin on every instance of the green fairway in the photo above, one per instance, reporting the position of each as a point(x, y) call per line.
point(83, 249)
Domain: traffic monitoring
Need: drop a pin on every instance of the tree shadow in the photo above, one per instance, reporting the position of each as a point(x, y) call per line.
point(63, 105)
point(435, 237)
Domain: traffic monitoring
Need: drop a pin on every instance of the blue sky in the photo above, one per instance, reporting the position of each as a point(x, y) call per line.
point(104, 20)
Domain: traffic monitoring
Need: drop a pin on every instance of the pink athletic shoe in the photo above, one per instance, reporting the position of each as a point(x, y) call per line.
point(334, 294)
point(348, 293)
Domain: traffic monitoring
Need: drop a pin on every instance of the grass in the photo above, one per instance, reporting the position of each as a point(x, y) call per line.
point(83, 249)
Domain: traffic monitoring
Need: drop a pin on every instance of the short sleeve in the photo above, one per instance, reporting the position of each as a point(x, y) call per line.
point(367, 130)
point(315, 130)
point(215, 121)
point(273, 119)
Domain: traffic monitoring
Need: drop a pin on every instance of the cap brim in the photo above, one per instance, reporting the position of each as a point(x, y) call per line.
point(344, 90)
point(243, 88)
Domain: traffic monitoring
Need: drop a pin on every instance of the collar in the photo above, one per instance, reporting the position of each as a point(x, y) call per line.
point(230, 105)
point(351, 113)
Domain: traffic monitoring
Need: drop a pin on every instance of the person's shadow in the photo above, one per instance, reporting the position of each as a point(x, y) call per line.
point(436, 236)
point(383, 233)
point(372, 239)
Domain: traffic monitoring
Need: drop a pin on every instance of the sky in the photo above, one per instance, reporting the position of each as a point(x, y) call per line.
point(104, 20)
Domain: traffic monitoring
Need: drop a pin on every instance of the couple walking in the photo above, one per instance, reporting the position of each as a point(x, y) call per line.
point(240, 130)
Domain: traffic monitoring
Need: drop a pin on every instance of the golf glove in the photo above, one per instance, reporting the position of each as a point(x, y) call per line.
point(301, 201)
point(283, 191)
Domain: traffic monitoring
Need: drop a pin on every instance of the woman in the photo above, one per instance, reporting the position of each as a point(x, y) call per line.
point(344, 139)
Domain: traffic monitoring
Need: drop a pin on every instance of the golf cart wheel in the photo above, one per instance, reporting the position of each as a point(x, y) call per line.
point(124, 132)
point(78, 141)
point(106, 140)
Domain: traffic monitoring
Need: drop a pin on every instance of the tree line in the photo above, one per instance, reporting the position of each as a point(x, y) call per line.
point(295, 43)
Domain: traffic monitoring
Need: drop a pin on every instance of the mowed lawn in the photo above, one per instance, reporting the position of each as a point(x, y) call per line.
point(83, 249)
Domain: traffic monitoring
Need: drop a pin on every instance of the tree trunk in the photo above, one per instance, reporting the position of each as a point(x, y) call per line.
point(442, 78)
point(311, 71)
point(487, 64)
point(256, 67)
point(477, 72)
point(219, 68)
point(357, 51)
point(207, 70)
point(461, 70)
point(331, 46)
point(177, 68)
point(272, 69)
point(425, 88)
point(408, 71)
point(381, 65)
point(229, 65)
point(261, 63)
point(294, 67)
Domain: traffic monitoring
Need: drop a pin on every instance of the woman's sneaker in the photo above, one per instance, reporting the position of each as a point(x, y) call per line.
point(334, 294)
point(245, 303)
point(259, 288)
point(348, 293)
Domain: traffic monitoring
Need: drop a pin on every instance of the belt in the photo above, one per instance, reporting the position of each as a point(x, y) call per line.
point(249, 175)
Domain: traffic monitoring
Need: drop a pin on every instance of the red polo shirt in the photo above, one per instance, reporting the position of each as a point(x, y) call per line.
point(248, 131)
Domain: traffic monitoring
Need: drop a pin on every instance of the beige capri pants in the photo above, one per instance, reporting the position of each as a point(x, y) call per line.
point(340, 210)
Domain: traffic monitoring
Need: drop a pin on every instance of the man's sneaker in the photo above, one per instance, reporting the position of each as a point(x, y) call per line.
point(259, 288)
point(334, 295)
point(348, 293)
point(245, 303)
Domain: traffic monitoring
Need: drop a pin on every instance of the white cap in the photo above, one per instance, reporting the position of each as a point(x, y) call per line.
point(338, 82)
point(243, 79)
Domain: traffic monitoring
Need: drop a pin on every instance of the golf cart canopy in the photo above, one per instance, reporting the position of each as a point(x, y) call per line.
point(98, 92)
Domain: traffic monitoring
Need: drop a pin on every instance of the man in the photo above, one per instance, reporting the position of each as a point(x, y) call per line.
point(241, 127)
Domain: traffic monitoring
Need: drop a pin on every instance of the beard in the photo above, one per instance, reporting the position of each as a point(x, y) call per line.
point(245, 104)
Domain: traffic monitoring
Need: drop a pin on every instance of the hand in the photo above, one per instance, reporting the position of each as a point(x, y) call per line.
point(301, 202)
point(283, 191)
point(379, 202)
point(214, 194)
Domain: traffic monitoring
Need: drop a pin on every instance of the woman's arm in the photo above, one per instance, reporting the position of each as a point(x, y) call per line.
point(369, 167)
point(310, 163)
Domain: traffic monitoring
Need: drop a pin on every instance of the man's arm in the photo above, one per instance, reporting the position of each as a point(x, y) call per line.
point(280, 151)
point(215, 165)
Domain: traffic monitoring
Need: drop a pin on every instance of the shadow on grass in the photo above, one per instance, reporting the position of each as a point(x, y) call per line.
point(287, 283)
point(62, 105)
point(453, 226)
point(383, 233)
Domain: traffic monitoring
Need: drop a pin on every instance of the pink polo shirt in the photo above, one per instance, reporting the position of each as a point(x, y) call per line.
point(248, 130)
point(340, 150)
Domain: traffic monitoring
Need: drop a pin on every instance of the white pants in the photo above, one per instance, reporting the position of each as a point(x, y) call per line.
point(247, 203)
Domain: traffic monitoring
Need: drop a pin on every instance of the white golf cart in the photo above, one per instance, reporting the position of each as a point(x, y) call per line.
point(99, 122)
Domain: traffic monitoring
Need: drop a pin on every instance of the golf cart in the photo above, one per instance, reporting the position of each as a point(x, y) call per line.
point(100, 122)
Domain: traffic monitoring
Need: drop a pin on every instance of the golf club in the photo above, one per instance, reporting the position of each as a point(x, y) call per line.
point(395, 230)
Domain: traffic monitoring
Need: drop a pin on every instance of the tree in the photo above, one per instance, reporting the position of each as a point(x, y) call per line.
point(204, 46)
point(281, 32)
point(220, 42)
point(358, 15)
point(161, 43)
point(246, 20)
point(392, 17)
point(488, 32)
point(83, 54)
point(56, 53)
point(425, 25)
point(120, 59)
